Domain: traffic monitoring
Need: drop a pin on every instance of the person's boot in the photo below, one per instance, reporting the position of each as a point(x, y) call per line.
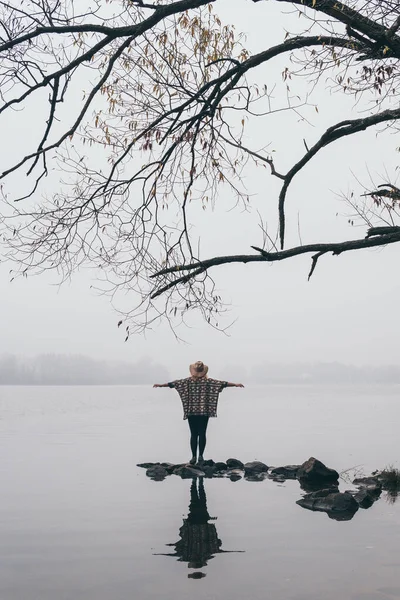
point(192, 461)
point(200, 461)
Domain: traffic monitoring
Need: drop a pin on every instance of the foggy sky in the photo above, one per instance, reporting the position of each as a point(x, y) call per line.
point(346, 313)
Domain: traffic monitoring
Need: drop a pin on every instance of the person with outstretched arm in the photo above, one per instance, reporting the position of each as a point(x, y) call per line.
point(199, 395)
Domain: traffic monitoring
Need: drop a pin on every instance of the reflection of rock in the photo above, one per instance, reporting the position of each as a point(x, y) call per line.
point(288, 472)
point(313, 472)
point(256, 476)
point(255, 467)
point(234, 463)
point(157, 472)
point(338, 505)
point(235, 474)
point(314, 486)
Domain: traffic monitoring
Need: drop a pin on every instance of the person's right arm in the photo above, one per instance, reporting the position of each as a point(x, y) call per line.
point(168, 385)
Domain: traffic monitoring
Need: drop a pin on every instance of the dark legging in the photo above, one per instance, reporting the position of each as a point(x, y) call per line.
point(198, 427)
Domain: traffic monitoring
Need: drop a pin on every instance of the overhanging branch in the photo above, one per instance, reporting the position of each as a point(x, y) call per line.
point(372, 240)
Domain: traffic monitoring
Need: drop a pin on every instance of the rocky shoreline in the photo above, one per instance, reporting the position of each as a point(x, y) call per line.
point(320, 483)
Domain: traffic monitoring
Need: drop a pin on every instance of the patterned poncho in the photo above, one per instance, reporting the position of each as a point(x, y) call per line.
point(199, 396)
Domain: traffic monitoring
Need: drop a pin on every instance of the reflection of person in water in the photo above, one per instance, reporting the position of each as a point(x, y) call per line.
point(199, 540)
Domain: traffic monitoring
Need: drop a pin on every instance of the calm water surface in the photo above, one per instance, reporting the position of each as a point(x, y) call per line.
point(79, 520)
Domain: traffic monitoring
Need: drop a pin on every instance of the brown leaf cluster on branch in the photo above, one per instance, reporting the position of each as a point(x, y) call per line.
point(161, 127)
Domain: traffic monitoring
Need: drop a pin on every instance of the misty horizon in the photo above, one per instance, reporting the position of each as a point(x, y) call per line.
point(76, 369)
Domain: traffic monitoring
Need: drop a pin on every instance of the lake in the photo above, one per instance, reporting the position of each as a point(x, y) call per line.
point(79, 520)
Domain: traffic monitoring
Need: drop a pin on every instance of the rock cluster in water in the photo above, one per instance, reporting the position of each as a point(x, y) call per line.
point(320, 482)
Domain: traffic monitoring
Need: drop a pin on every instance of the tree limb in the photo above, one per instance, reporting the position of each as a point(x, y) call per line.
point(199, 267)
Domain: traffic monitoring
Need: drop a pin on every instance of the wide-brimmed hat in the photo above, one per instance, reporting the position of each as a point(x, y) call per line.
point(198, 369)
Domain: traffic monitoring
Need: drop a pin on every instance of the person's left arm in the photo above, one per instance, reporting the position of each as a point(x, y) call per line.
point(227, 384)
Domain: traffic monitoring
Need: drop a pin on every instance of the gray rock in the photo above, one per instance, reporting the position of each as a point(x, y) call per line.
point(234, 463)
point(189, 472)
point(330, 501)
point(157, 472)
point(254, 467)
point(208, 463)
point(314, 472)
point(288, 472)
point(147, 465)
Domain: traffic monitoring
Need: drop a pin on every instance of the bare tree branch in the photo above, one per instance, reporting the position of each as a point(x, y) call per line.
point(373, 240)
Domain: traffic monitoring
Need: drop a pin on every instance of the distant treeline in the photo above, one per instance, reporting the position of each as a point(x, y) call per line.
point(334, 372)
point(59, 369)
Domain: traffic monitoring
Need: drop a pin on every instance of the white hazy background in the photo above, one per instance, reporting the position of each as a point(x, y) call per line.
point(346, 313)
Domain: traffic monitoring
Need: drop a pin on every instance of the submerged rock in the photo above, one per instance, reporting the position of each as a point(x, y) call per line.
point(187, 472)
point(220, 466)
point(253, 476)
point(314, 472)
point(365, 497)
point(369, 490)
point(234, 463)
point(332, 502)
point(288, 472)
point(254, 467)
